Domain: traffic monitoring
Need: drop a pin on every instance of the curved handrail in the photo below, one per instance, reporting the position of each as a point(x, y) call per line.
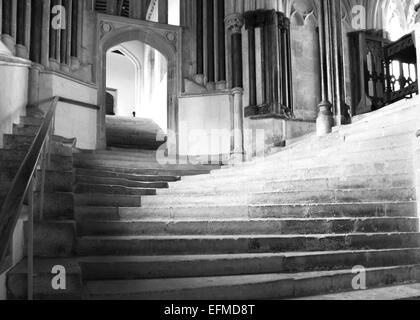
point(12, 205)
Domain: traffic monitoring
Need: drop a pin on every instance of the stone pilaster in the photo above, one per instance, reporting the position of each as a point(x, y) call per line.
point(234, 24)
point(325, 121)
point(163, 11)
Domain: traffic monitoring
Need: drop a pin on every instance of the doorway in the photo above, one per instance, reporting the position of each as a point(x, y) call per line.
point(161, 46)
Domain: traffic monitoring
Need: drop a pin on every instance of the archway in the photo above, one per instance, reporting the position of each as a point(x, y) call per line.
point(113, 31)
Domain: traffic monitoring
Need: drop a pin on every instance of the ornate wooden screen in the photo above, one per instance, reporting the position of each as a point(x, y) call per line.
point(270, 74)
point(381, 72)
point(401, 69)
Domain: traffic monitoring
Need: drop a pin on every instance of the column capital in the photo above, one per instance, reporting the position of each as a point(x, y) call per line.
point(235, 22)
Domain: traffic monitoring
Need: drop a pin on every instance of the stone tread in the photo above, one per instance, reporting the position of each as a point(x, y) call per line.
point(259, 286)
point(402, 292)
point(248, 226)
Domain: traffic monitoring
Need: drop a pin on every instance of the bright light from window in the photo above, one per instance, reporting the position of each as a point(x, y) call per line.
point(394, 29)
point(174, 11)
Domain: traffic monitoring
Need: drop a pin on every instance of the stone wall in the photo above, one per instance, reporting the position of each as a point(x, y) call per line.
point(72, 121)
point(13, 92)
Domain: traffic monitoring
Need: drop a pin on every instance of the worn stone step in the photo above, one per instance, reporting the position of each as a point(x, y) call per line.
point(381, 147)
point(252, 226)
point(138, 213)
point(244, 184)
point(62, 149)
point(196, 199)
point(58, 205)
point(155, 267)
point(84, 188)
point(383, 123)
point(146, 171)
point(359, 209)
point(26, 130)
point(12, 154)
point(31, 121)
point(247, 287)
point(71, 142)
point(57, 163)
point(13, 141)
point(17, 280)
point(59, 181)
point(54, 239)
point(122, 182)
point(200, 212)
point(409, 291)
point(296, 196)
point(314, 148)
point(338, 153)
point(116, 156)
point(131, 177)
point(342, 154)
point(333, 196)
point(322, 171)
point(163, 245)
point(92, 162)
point(104, 200)
point(8, 174)
point(340, 157)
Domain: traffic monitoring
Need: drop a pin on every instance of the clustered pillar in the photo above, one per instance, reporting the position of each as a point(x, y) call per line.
point(275, 95)
point(64, 38)
point(163, 11)
point(27, 31)
point(211, 54)
point(234, 23)
point(15, 20)
point(332, 74)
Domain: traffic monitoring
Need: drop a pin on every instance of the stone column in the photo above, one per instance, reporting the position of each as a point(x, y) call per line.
point(36, 31)
point(112, 7)
point(338, 63)
point(21, 29)
point(65, 66)
point(44, 28)
point(1, 17)
point(235, 23)
point(13, 20)
point(64, 37)
point(54, 43)
point(28, 18)
point(210, 45)
point(325, 121)
point(163, 11)
point(221, 47)
point(200, 42)
point(74, 29)
point(252, 68)
point(7, 21)
point(275, 62)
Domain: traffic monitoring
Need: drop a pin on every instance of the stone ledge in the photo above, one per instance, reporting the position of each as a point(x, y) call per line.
point(6, 60)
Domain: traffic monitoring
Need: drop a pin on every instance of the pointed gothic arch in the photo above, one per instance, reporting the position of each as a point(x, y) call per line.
point(166, 39)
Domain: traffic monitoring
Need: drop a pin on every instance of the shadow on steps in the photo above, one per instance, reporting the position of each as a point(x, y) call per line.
point(133, 133)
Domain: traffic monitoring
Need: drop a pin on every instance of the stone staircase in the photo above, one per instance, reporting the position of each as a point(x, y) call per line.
point(16, 147)
point(289, 226)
